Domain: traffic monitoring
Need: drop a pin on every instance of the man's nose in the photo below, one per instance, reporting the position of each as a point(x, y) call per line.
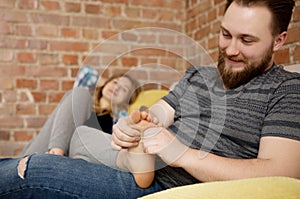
point(232, 48)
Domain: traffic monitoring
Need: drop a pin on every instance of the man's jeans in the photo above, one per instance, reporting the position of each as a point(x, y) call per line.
point(51, 176)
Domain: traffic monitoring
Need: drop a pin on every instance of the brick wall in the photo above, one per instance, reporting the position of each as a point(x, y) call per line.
point(203, 20)
point(43, 44)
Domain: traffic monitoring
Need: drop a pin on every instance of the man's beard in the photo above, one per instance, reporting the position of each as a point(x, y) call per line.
point(235, 79)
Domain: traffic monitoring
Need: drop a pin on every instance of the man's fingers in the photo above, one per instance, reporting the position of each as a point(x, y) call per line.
point(123, 126)
point(114, 146)
point(117, 144)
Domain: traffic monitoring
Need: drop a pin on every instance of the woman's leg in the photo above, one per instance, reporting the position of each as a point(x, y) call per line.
point(72, 111)
point(92, 145)
point(51, 176)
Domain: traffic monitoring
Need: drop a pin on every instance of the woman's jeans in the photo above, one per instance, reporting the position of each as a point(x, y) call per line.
point(52, 176)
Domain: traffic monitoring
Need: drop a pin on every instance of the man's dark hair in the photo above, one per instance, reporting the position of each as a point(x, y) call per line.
point(281, 11)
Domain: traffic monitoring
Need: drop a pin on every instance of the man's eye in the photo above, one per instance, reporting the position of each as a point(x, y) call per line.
point(225, 34)
point(246, 41)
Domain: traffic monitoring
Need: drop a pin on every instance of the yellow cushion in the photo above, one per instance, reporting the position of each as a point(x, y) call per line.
point(147, 98)
point(253, 188)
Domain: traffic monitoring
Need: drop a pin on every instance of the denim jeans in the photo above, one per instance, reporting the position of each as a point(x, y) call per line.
point(51, 176)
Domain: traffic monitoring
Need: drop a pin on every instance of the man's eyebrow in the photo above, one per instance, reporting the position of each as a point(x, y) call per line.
point(242, 35)
point(222, 27)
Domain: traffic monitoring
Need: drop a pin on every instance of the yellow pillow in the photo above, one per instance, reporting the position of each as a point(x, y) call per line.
point(147, 98)
point(253, 188)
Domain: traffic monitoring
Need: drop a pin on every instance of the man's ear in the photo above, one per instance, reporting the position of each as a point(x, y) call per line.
point(279, 41)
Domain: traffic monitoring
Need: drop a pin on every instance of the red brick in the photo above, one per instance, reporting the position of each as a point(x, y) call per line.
point(50, 5)
point(92, 9)
point(12, 43)
point(91, 34)
point(297, 53)
point(25, 96)
point(23, 135)
point(124, 24)
point(165, 76)
point(24, 30)
point(46, 109)
point(39, 96)
point(48, 31)
point(148, 3)
point(134, 12)
point(49, 84)
point(149, 13)
point(113, 11)
point(129, 61)
point(5, 28)
point(6, 109)
point(167, 39)
point(70, 32)
point(148, 52)
point(150, 38)
point(70, 59)
point(48, 59)
point(55, 97)
point(4, 135)
point(10, 96)
point(25, 57)
point(13, 16)
point(282, 56)
point(293, 35)
point(67, 85)
point(147, 60)
point(115, 1)
point(128, 36)
point(46, 71)
point(116, 48)
point(166, 16)
point(6, 83)
point(35, 122)
point(10, 71)
point(72, 7)
point(6, 55)
point(28, 4)
point(50, 19)
point(11, 122)
point(296, 14)
point(68, 46)
point(7, 4)
point(10, 149)
point(108, 34)
point(37, 44)
point(25, 109)
point(26, 83)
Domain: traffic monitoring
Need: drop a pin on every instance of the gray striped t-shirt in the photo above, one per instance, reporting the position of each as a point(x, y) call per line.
point(230, 123)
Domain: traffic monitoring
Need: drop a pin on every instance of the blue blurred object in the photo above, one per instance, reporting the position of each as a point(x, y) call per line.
point(87, 77)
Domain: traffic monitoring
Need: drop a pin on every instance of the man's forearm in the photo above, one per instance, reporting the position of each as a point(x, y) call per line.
point(209, 167)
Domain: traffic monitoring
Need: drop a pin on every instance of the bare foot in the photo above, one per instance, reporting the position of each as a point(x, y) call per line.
point(141, 164)
point(56, 151)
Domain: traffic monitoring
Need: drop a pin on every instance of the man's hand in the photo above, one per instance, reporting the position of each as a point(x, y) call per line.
point(127, 131)
point(165, 145)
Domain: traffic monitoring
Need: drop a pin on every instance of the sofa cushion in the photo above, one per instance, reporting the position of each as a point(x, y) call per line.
point(252, 188)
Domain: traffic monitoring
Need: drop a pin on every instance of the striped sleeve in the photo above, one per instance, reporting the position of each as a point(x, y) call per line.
point(283, 116)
